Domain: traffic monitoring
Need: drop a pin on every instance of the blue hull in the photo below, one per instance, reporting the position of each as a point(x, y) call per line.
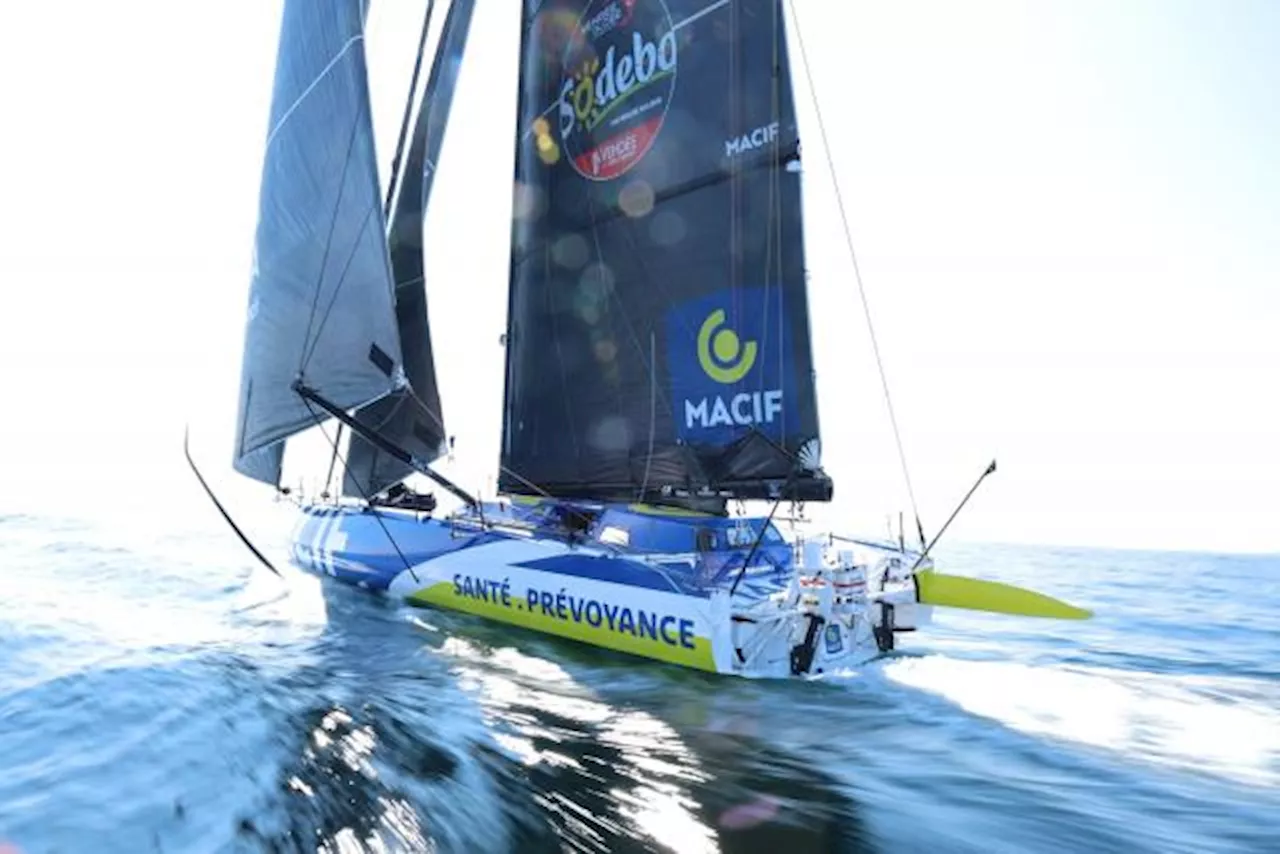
point(651, 548)
point(667, 585)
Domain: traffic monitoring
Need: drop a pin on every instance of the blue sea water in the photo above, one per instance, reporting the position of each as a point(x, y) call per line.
point(160, 693)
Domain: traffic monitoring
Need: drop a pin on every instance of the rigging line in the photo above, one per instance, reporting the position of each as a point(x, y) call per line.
point(598, 218)
point(857, 274)
point(653, 407)
point(414, 395)
point(382, 443)
point(337, 289)
point(651, 366)
point(328, 242)
point(594, 225)
point(328, 478)
point(736, 168)
point(594, 228)
point(565, 398)
point(773, 240)
point(755, 547)
point(525, 481)
point(394, 181)
point(657, 283)
point(376, 515)
point(395, 178)
point(337, 441)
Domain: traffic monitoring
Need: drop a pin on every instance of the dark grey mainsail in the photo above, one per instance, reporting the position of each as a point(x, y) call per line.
point(320, 303)
point(658, 333)
point(412, 418)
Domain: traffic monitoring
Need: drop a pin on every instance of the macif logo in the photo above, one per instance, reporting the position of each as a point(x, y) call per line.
point(727, 359)
point(722, 355)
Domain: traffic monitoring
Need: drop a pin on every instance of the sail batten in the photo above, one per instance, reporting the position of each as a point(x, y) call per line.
point(320, 300)
point(658, 336)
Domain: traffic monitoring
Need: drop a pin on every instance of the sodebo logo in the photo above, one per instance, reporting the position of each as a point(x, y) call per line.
point(619, 79)
point(725, 358)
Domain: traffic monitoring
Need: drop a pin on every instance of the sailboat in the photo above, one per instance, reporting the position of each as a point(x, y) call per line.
point(659, 366)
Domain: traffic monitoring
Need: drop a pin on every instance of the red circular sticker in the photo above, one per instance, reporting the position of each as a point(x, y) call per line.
point(619, 74)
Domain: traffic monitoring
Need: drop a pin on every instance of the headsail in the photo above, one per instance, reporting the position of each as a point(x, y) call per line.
point(412, 418)
point(320, 304)
point(658, 334)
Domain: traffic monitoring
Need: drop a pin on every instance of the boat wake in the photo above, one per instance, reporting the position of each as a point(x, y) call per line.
point(1220, 725)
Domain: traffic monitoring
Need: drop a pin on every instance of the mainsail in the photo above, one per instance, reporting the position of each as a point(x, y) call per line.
point(411, 418)
point(658, 335)
point(321, 300)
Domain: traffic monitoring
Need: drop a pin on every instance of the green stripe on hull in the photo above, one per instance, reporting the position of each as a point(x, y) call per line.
point(442, 595)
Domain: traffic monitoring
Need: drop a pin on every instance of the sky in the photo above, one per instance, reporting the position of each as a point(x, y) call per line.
point(1066, 217)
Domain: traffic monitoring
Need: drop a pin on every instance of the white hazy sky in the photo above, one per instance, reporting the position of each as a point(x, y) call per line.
point(1067, 217)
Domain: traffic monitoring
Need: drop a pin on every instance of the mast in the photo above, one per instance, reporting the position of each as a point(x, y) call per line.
point(658, 338)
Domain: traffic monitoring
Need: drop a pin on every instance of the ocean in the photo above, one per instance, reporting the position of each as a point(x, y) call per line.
point(163, 693)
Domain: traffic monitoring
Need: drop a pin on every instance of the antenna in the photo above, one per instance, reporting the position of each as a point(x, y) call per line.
point(990, 470)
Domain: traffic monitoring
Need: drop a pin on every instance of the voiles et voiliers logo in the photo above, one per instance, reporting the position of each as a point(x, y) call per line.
point(619, 76)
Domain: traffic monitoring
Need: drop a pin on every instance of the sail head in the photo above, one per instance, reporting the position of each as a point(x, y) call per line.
point(658, 334)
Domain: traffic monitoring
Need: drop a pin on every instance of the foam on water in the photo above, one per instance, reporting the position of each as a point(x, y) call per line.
point(1217, 725)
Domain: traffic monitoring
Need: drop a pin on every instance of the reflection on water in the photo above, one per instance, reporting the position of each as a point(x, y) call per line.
point(610, 772)
point(469, 746)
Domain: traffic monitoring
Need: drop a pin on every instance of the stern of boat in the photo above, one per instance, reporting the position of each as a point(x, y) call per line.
point(844, 605)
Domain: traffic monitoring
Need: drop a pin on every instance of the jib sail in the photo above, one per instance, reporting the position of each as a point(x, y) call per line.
point(321, 300)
